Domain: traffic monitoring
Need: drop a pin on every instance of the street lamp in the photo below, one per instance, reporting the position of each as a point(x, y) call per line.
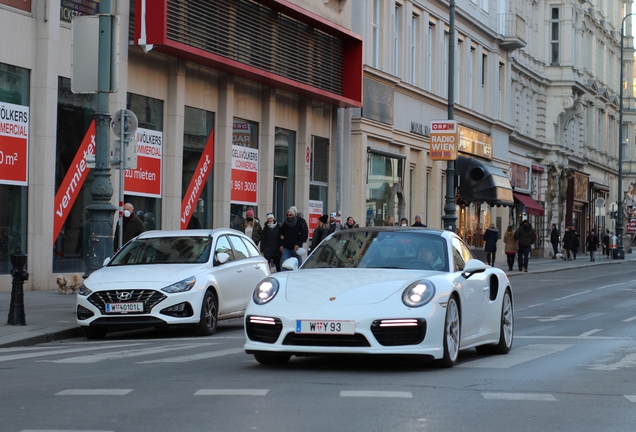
point(620, 252)
point(449, 217)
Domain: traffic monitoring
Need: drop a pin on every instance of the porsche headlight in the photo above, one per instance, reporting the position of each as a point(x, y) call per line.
point(265, 291)
point(181, 286)
point(418, 293)
point(83, 290)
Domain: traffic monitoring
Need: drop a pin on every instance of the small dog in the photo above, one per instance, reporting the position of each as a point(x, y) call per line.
point(559, 256)
point(68, 285)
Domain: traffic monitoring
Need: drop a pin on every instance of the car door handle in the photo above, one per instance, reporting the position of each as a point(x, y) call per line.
point(257, 266)
point(486, 288)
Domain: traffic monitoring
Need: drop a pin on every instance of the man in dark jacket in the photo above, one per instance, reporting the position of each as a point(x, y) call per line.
point(525, 236)
point(418, 222)
point(270, 241)
point(133, 226)
point(554, 239)
point(293, 233)
point(490, 238)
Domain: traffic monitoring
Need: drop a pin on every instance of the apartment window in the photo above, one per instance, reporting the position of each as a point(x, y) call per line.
point(484, 5)
point(458, 71)
point(502, 78)
point(414, 36)
point(429, 58)
point(319, 171)
point(484, 67)
point(471, 65)
point(444, 70)
point(397, 27)
point(375, 29)
point(625, 143)
point(555, 35)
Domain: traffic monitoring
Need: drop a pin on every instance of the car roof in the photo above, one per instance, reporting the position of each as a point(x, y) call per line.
point(189, 233)
point(430, 231)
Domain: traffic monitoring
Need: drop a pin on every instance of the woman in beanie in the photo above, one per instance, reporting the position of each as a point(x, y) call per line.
point(321, 231)
point(252, 226)
point(269, 241)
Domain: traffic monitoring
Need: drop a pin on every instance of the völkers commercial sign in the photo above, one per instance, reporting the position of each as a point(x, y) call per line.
point(14, 144)
point(145, 180)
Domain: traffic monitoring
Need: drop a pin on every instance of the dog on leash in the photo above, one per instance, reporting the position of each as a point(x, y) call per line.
point(66, 285)
point(559, 256)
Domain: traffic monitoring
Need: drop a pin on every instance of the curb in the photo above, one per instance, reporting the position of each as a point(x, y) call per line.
point(41, 338)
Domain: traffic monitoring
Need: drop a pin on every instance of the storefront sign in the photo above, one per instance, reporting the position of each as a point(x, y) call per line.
point(73, 181)
point(145, 180)
point(581, 186)
point(378, 100)
point(519, 177)
point(14, 144)
point(443, 140)
point(197, 183)
point(73, 8)
point(315, 211)
point(475, 143)
point(24, 5)
point(631, 225)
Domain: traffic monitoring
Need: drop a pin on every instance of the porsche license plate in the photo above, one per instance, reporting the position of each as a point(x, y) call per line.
point(124, 307)
point(325, 327)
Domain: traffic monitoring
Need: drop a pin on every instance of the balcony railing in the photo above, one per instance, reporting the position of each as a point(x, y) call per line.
point(512, 28)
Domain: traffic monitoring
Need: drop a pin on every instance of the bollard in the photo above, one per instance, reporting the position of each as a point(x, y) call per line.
point(19, 274)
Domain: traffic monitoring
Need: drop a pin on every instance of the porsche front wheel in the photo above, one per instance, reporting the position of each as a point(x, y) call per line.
point(452, 333)
point(506, 329)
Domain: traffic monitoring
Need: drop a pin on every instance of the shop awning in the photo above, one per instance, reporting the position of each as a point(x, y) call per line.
point(532, 207)
point(483, 182)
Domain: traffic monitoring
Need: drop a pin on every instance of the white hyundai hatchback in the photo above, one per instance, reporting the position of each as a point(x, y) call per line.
point(172, 278)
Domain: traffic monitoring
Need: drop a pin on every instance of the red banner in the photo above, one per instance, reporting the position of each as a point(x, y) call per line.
point(73, 181)
point(197, 182)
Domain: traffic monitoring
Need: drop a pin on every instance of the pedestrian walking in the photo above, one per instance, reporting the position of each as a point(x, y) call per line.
point(576, 241)
point(490, 244)
point(251, 226)
point(555, 237)
point(133, 226)
point(567, 243)
point(320, 232)
point(525, 236)
point(606, 242)
point(293, 233)
point(351, 223)
point(334, 225)
point(269, 241)
point(510, 246)
point(592, 243)
point(418, 222)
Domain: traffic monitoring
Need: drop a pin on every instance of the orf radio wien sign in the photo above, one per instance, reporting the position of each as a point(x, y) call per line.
point(443, 140)
point(14, 144)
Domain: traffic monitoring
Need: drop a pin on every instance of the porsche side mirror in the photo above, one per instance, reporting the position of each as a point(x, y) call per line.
point(106, 261)
point(473, 266)
point(290, 264)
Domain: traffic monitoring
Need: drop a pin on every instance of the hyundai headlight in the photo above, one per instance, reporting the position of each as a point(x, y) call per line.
point(418, 294)
point(265, 291)
point(83, 290)
point(181, 286)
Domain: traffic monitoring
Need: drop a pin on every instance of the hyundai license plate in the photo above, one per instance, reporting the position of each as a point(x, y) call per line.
point(124, 307)
point(325, 327)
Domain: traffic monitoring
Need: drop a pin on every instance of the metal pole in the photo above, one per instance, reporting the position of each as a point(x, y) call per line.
point(620, 252)
point(449, 217)
point(100, 240)
point(122, 135)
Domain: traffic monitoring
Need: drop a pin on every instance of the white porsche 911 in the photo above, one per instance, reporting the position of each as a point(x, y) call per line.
point(385, 291)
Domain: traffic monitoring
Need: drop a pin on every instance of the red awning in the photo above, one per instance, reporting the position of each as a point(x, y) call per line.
point(532, 207)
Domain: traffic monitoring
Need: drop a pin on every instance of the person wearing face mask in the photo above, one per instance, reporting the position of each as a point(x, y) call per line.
point(133, 226)
point(404, 222)
point(252, 226)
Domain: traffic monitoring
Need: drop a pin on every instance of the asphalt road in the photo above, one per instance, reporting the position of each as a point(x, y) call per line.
point(572, 368)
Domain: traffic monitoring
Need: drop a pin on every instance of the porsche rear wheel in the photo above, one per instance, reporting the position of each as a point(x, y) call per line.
point(271, 359)
point(506, 329)
point(452, 333)
point(209, 315)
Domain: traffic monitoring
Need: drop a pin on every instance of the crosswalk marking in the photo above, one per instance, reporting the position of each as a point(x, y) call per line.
point(573, 295)
point(94, 392)
point(589, 333)
point(630, 319)
point(626, 360)
point(516, 357)
point(128, 353)
point(539, 397)
point(631, 398)
point(373, 393)
point(589, 316)
point(194, 357)
point(28, 355)
point(232, 392)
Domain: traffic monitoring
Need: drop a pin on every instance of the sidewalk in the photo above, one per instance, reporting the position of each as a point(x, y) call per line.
point(50, 315)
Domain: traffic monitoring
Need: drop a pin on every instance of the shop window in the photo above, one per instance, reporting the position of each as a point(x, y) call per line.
point(319, 172)
point(385, 194)
point(142, 186)
point(197, 137)
point(244, 182)
point(284, 171)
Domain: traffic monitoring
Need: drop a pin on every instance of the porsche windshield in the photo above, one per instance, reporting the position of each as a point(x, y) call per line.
point(164, 250)
point(381, 249)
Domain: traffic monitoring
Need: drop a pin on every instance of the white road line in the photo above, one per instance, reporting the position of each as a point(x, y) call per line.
point(633, 280)
point(630, 319)
point(94, 392)
point(591, 332)
point(536, 305)
point(194, 357)
point(590, 316)
point(540, 397)
point(372, 393)
point(59, 430)
point(608, 286)
point(127, 354)
point(627, 361)
point(631, 398)
point(58, 352)
point(516, 357)
point(232, 392)
point(576, 337)
point(573, 295)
